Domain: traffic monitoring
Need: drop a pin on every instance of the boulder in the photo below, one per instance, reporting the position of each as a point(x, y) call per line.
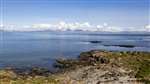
point(94, 57)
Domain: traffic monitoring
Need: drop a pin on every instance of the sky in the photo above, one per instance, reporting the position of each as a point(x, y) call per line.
point(93, 15)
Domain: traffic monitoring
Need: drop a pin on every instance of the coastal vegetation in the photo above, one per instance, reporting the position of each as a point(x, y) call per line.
point(91, 67)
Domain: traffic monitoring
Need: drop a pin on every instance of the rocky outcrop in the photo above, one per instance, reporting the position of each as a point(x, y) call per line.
point(105, 67)
point(94, 57)
point(91, 67)
point(95, 41)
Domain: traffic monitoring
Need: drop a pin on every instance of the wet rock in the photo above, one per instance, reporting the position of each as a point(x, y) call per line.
point(39, 71)
point(127, 46)
point(95, 41)
point(69, 63)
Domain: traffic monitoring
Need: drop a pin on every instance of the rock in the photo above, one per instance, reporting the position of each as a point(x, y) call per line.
point(92, 67)
point(94, 57)
point(101, 67)
point(95, 41)
point(7, 74)
point(32, 71)
point(69, 63)
point(103, 74)
point(39, 71)
point(85, 56)
point(127, 46)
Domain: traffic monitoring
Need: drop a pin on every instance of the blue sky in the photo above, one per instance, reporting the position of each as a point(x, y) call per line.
point(126, 13)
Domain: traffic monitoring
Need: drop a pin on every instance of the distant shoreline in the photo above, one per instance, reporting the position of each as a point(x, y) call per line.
point(96, 32)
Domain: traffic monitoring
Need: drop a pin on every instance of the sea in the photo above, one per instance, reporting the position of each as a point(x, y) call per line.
point(27, 49)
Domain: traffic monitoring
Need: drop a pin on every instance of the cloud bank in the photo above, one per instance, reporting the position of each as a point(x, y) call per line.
point(76, 26)
point(1, 25)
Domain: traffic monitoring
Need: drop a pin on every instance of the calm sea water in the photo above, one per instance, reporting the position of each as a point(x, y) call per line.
point(41, 48)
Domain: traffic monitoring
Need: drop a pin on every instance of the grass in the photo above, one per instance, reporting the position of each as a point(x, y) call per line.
point(144, 71)
point(139, 62)
point(9, 77)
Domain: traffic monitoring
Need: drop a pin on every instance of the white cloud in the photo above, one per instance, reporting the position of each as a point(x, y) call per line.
point(113, 29)
point(147, 28)
point(107, 28)
point(1, 25)
point(73, 26)
point(7, 27)
point(41, 26)
point(99, 26)
point(64, 26)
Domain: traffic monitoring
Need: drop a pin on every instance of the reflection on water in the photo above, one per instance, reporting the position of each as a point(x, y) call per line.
point(40, 48)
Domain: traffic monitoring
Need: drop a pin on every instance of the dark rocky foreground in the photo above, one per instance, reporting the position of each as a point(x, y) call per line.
point(92, 67)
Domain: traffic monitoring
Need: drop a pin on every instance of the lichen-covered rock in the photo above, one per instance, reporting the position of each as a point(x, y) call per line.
point(94, 57)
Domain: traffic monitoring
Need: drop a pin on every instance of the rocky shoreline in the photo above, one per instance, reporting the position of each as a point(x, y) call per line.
point(91, 67)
